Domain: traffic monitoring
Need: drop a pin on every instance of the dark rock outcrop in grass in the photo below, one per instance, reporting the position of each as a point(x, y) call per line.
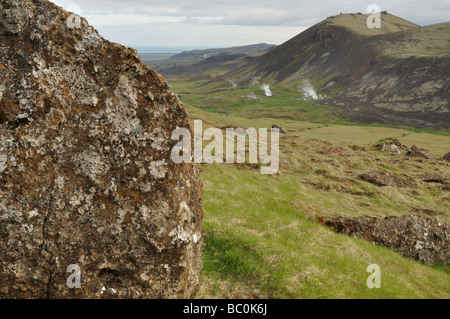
point(385, 179)
point(433, 178)
point(414, 151)
point(417, 237)
point(446, 157)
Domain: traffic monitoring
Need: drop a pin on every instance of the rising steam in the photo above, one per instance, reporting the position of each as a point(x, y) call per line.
point(266, 89)
point(308, 91)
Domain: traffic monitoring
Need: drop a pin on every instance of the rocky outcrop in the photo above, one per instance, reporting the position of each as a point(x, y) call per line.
point(390, 147)
point(433, 178)
point(417, 237)
point(385, 179)
point(414, 151)
point(86, 178)
point(446, 157)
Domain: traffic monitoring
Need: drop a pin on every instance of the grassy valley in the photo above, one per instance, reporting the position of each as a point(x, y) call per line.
point(262, 234)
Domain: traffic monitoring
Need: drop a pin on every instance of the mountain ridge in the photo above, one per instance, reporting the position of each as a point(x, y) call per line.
point(396, 75)
point(200, 61)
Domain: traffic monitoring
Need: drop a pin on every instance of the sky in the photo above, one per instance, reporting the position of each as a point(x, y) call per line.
point(191, 24)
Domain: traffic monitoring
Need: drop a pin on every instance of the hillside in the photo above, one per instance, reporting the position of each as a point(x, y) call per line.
point(262, 237)
point(201, 61)
point(394, 75)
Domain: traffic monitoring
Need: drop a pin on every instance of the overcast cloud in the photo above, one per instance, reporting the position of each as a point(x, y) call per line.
point(220, 23)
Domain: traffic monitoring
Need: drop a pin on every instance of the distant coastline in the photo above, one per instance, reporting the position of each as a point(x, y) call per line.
point(159, 51)
point(166, 50)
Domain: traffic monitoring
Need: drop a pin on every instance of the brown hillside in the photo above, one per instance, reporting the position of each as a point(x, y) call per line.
point(397, 74)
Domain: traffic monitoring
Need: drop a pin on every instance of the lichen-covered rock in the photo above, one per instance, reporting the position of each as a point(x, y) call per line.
point(417, 237)
point(414, 151)
point(394, 147)
point(86, 177)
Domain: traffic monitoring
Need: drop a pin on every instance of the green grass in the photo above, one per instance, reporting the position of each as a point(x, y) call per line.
point(258, 236)
point(263, 240)
point(212, 101)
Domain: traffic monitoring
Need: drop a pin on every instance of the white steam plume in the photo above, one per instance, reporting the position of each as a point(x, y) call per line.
point(308, 91)
point(266, 89)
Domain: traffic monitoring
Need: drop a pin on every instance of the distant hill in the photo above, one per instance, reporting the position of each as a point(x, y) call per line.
point(254, 49)
point(398, 74)
point(201, 61)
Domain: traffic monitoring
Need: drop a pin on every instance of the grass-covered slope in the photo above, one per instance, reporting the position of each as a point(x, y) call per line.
point(263, 240)
point(262, 236)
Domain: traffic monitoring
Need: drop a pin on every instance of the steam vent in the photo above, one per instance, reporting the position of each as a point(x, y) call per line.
point(87, 186)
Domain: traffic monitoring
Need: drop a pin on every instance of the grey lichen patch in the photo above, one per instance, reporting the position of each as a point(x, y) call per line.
point(33, 214)
point(157, 169)
point(180, 236)
point(159, 139)
point(126, 93)
point(3, 161)
point(185, 212)
point(90, 164)
point(89, 39)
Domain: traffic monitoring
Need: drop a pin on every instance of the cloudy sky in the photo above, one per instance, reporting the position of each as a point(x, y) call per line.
point(222, 23)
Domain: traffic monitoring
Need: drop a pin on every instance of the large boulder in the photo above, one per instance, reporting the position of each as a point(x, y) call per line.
point(392, 147)
point(87, 186)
